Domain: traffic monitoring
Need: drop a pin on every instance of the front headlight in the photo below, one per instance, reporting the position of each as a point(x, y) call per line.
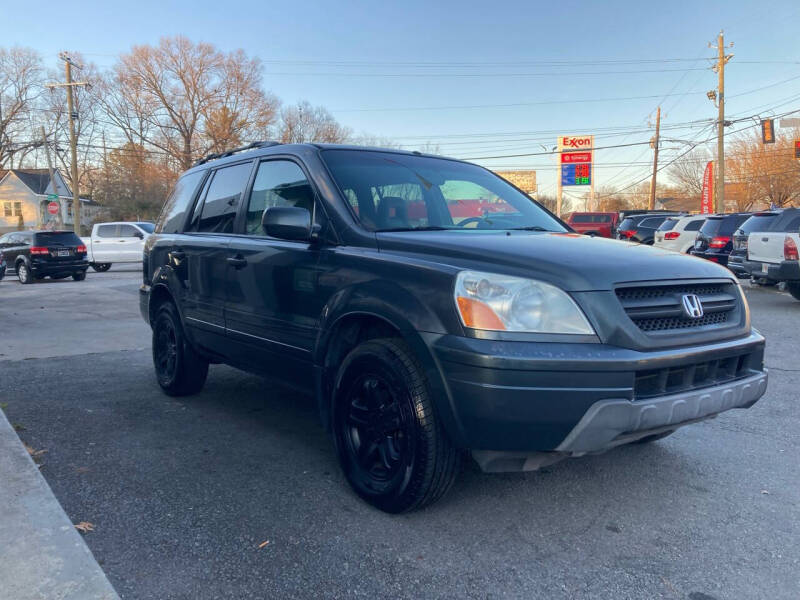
point(504, 303)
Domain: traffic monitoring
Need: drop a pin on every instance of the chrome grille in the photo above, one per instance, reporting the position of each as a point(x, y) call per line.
point(657, 308)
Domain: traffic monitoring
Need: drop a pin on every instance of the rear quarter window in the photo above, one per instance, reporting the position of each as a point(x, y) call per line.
point(652, 222)
point(694, 225)
point(173, 215)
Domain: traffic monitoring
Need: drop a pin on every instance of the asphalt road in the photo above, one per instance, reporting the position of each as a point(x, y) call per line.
point(184, 493)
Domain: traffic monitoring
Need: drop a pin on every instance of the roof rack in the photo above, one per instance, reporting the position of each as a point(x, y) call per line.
point(251, 146)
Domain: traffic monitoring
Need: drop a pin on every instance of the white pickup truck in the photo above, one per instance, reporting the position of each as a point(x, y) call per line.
point(774, 255)
point(121, 242)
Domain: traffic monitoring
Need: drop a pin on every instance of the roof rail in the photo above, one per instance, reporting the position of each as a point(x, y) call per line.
point(251, 146)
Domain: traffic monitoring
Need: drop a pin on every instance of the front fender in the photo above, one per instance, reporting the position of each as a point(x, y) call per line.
point(418, 325)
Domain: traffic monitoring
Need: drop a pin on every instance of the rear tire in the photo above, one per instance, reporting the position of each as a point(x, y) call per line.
point(101, 267)
point(79, 276)
point(391, 446)
point(180, 371)
point(793, 287)
point(24, 273)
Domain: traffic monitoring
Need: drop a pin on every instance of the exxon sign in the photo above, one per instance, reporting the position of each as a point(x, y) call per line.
point(572, 143)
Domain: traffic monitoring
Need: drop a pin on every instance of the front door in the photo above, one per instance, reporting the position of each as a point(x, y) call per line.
point(202, 252)
point(274, 298)
point(105, 243)
point(131, 243)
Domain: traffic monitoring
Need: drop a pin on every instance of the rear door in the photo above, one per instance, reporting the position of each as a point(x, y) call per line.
point(203, 250)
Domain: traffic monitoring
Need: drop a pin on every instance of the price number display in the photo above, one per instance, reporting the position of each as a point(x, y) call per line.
point(576, 174)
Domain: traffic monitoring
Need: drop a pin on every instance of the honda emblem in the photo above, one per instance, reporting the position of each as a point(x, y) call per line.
point(692, 306)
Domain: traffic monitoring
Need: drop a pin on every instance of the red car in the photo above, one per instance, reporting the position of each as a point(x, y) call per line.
point(602, 224)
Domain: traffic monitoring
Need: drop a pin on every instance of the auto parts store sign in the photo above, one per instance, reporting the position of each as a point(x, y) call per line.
point(577, 157)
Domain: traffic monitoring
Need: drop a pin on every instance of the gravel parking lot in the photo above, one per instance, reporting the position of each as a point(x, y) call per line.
point(236, 493)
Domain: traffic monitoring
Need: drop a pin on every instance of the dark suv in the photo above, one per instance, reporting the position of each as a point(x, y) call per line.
point(715, 240)
point(39, 254)
point(642, 227)
point(425, 333)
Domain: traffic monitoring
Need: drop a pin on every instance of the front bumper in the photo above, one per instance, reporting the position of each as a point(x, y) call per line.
point(787, 270)
point(522, 397)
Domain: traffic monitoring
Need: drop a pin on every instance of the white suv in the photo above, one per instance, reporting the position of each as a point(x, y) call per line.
point(679, 233)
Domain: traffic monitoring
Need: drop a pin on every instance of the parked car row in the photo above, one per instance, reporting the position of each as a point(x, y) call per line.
point(34, 255)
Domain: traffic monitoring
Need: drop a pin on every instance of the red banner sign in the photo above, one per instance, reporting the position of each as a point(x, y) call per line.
point(707, 201)
point(576, 157)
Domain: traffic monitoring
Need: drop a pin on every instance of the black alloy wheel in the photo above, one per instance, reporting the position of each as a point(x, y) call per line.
point(101, 267)
point(180, 371)
point(391, 446)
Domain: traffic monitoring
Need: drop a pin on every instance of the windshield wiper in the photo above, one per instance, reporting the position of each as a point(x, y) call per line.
point(529, 228)
point(419, 228)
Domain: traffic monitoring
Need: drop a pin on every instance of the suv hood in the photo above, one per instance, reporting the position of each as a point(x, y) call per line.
point(571, 261)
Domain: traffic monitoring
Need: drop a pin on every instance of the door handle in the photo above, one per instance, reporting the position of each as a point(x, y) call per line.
point(237, 262)
point(764, 239)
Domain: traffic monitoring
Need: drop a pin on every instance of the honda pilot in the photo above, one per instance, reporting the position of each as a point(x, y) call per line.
point(427, 336)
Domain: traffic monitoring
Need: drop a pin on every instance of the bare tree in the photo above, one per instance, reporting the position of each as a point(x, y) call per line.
point(687, 173)
point(189, 99)
point(766, 173)
point(20, 86)
point(306, 123)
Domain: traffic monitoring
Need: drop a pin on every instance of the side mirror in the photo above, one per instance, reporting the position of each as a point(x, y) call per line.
point(139, 235)
point(287, 223)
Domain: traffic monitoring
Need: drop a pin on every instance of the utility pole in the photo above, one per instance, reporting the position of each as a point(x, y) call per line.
point(73, 138)
point(652, 204)
point(40, 216)
point(719, 96)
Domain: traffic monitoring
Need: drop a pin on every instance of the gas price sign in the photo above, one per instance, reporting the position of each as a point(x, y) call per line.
point(576, 174)
point(577, 156)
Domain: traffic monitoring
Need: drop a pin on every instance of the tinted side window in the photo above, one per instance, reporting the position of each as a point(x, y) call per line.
point(173, 214)
point(793, 226)
point(667, 225)
point(651, 223)
point(127, 231)
point(222, 198)
point(106, 231)
point(710, 227)
point(277, 183)
point(731, 224)
point(694, 225)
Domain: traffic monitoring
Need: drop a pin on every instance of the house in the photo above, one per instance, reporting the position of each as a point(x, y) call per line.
point(24, 192)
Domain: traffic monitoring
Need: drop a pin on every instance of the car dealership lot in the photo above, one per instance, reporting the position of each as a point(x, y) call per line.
point(183, 493)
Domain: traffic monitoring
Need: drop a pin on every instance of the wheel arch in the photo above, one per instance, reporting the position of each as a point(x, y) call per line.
point(354, 326)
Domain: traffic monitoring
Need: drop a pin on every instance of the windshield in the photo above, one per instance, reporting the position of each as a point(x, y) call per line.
point(400, 192)
point(146, 227)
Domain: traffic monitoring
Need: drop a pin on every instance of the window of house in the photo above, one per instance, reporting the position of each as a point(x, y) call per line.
point(277, 183)
point(222, 198)
point(17, 209)
point(6, 209)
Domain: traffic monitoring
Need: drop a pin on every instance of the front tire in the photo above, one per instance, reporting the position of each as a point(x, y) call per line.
point(391, 446)
point(101, 267)
point(180, 371)
point(793, 287)
point(24, 273)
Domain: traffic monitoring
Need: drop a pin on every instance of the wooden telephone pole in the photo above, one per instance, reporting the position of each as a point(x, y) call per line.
point(652, 204)
point(73, 137)
point(722, 59)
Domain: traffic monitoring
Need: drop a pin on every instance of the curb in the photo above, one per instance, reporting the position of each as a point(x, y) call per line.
point(42, 555)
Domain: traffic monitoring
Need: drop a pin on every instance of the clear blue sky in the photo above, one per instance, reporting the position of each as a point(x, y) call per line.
point(353, 50)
